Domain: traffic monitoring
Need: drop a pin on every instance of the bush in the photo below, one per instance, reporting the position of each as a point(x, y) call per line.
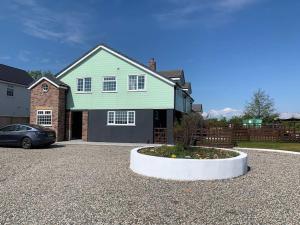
point(185, 128)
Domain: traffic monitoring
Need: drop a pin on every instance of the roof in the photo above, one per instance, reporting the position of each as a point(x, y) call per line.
point(197, 107)
point(14, 75)
point(187, 85)
point(56, 82)
point(172, 73)
point(118, 54)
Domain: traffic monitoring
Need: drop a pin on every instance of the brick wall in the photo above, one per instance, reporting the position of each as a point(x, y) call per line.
point(53, 100)
point(68, 134)
point(85, 123)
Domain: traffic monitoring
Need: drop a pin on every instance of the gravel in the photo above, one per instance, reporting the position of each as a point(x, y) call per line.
point(83, 184)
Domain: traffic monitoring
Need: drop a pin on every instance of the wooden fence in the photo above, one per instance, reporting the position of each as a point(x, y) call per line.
point(228, 137)
point(225, 136)
point(160, 136)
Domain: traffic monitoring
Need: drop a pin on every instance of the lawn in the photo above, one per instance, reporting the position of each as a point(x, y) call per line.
point(294, 147)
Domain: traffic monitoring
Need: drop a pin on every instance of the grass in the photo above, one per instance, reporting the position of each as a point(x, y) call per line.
point(190, 153)
point(294, 147)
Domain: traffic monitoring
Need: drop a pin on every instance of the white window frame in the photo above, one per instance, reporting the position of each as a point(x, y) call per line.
point(37, 117)
point(83, 85)
point(137, 82)
point(108, 81)
point(114, 120)
point(12, 89)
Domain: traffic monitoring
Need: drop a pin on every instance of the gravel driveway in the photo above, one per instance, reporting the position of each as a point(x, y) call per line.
point(81, 184)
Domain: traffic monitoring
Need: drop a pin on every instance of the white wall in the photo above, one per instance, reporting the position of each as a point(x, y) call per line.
point(17, 105)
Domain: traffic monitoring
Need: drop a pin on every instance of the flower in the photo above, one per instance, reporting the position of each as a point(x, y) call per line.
point(173, 156)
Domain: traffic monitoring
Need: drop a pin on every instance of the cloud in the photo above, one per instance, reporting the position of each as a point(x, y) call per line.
point(288, 115)
point(41, 22)
point(226, 112)
point(181, 13)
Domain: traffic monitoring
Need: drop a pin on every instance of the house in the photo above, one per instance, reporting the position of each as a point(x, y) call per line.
point(252, 123)
point(14, 95)
point(198, 108)
point(107, 96)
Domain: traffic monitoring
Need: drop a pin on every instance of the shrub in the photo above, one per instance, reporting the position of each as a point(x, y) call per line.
point(185, 128)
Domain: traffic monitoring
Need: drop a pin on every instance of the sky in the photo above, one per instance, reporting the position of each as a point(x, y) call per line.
point(227, 48)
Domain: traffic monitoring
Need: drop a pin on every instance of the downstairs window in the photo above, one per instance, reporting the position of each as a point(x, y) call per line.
point(121, 118)
point(44, 117)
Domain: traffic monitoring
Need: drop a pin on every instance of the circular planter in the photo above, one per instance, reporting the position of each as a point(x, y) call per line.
point(188, 169)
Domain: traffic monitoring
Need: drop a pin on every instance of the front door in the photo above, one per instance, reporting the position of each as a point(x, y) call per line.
point(77, 125)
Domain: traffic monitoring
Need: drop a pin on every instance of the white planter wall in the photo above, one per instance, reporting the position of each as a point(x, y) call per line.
point(188, 169)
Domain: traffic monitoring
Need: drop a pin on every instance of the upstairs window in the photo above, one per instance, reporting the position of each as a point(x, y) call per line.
point(10, 90)
point(136, 83)
point(44, 117)
point(109, 84)
point(84, 84)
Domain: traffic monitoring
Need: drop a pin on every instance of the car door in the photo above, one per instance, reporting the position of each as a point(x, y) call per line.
point(7, 134)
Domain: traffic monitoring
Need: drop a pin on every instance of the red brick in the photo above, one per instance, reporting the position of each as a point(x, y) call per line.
point(55, 100)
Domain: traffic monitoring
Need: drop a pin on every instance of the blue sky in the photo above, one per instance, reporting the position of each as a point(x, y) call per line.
point(228, 48)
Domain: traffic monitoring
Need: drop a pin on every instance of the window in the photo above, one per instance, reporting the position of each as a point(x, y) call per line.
point(45, 87)
point(87, 84)
point(84, 84)
point(10, 90)
point(23, 128)
point(44, 117)
point(136, 83)
point(8, 128)
point(125, 118)
point(109, 84)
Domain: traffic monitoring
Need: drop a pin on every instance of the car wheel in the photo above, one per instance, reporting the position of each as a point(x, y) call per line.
point(26, 143)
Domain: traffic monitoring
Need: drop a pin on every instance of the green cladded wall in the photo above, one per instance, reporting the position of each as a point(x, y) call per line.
point(157, 95)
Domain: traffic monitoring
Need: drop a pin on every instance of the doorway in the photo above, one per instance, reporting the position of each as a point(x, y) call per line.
point(77, 125)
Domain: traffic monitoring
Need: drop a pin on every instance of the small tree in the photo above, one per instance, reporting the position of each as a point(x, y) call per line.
point(236, 120)
point(186, 127)
point(261, 106)
point(37, 74)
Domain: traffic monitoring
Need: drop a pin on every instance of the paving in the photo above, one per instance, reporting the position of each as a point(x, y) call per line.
point(86, 184)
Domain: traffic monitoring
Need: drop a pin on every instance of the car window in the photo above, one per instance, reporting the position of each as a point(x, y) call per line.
point(23, 128)
point(9, 128)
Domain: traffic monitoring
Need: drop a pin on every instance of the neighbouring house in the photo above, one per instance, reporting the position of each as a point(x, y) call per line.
point(107, 96)
point(14, 95)
point(252, 123)
point(198, 108)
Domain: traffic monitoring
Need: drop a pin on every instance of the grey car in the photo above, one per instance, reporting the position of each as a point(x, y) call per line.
point(26, 136)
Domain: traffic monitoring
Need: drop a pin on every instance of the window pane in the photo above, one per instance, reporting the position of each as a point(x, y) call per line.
point(110, 117)
point(131, 119)
point(121, 117)
point(87, 84)
point(10, 91)
point(141, 82)
point(44, 117)
point(132, 82)
point(80, 85)
point(109, 84)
